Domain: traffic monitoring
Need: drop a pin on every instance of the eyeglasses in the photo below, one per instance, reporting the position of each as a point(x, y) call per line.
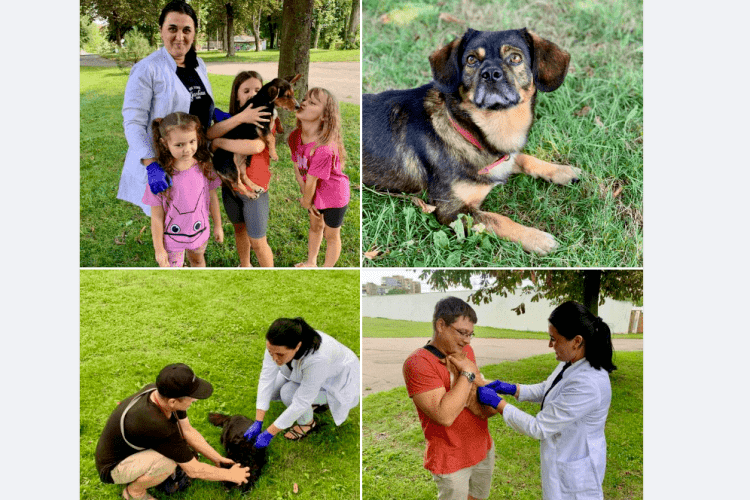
point(466, 335)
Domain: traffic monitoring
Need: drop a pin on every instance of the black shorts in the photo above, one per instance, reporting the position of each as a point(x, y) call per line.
point(253, 213)
point(334, 217)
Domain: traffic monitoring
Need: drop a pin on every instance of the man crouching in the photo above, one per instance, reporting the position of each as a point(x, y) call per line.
point(149, 434)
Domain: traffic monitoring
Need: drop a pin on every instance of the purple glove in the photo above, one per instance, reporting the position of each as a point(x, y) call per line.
point(487, 396)
point(252, 432)
point(503, 387)
point(219, 115)
point(158, 180)
point(263, 440)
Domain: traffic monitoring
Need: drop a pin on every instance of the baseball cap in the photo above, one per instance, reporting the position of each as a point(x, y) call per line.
point(178, 380)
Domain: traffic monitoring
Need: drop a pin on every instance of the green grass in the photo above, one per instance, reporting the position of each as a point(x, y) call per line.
point(594, 227)
point(397, 328)
point(272, 55)
point(393, 443)
point(133, 323)
point(114, 233)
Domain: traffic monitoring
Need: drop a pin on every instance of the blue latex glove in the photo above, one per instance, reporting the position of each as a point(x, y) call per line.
point(158, 180)
point(219, 115)
point(252, 432)
point(487, 396)
point(503, 387)
point(263, 440)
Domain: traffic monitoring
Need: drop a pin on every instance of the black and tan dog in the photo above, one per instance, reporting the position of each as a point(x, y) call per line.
point(238, 448)
point(277, 92)
point(463, 133)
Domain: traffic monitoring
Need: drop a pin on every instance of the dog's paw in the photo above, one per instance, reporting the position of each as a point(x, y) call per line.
point(538, 242)
point(565, 174)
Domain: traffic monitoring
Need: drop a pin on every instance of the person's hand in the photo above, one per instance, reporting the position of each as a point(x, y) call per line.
point(503, 387)
point(487, 396)
point(314, 212)
point(252, 432)
point(219, 115)
point(263, 440)
point(239, 474)
point(158, 180)
point(463, 363)
point(218, 233)
point(222, 460)
point(257, 116)
point(162, 258)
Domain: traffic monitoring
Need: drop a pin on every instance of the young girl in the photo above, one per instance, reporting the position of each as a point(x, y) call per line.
point(179, 215)
point(319, 156)
point(246, 203)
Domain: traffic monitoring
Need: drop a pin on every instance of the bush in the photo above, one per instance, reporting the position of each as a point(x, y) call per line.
point(92, 40)
point(135, 47)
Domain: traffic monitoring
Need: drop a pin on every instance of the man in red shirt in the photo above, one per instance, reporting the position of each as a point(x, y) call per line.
point(460, 453)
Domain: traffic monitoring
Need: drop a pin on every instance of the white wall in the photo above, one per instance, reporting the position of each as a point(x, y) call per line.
point(419, 307)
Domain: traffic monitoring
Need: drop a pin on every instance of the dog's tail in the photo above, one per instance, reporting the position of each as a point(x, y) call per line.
point(218, 419)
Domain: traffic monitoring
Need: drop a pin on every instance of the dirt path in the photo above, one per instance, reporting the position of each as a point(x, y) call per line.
point(382, 359)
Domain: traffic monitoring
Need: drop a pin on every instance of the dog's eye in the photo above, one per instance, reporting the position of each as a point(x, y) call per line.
point(471, 60)
point(515, 59)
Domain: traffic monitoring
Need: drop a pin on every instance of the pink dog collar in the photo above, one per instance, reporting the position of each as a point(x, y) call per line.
point(467, 135)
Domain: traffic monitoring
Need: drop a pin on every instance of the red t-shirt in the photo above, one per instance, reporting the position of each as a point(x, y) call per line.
point(465, 442)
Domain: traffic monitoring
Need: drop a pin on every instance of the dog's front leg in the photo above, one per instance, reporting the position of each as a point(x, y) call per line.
point(270, 141)
point(532, 240)
point(558, 174)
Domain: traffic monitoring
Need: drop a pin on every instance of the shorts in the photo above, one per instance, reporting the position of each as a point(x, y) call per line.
point(334, 217)
point(242, 210)
point(475, 480)
point(148, 462)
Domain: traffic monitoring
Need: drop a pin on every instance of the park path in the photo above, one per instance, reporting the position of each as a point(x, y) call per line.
point(382, 359)
point(341, 78)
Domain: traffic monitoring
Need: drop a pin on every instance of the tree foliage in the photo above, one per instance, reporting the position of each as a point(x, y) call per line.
point(556, 286)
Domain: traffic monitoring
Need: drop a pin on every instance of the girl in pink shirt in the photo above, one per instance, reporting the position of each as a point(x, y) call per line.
point(179, 215)
point(318, 154)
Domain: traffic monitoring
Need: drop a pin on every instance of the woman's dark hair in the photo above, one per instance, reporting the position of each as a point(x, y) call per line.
point(290, 332)
point(451, 308)
point(179, 6)
point(571, 319)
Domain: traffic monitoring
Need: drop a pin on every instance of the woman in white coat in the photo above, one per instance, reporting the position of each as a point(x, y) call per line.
point(575, 401)
point(308, 371)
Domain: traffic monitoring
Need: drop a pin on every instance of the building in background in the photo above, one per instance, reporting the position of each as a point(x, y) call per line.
point(392, 285)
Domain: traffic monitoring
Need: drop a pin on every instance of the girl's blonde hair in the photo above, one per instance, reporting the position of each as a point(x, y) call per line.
point(242, 77)
point(329, 129)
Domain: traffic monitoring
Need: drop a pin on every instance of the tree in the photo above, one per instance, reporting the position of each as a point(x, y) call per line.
point(294, 53)
point(352, 26)
point(122, 15)
point(589, 287)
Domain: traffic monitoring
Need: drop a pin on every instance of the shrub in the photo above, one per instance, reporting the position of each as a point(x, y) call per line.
point(135, 47)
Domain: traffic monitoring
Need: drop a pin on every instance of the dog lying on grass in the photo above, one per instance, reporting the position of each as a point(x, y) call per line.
point(238, 448)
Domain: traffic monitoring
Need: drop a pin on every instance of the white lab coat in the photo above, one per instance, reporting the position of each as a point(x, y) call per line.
point(333, 368)
point(153, 91)
point(571, 430)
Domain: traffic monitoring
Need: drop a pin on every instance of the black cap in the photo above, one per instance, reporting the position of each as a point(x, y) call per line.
point(178, 380)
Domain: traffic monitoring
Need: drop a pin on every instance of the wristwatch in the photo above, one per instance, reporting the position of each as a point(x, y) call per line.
point(469, 375)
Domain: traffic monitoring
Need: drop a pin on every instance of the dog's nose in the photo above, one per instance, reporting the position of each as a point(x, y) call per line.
point(492, 74)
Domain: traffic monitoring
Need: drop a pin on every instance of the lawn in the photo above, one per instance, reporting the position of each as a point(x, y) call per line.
point(114, 233)
point(393, 443)
point(397, 328)
point(594, 121)
point(215, 321)
point(272, 55)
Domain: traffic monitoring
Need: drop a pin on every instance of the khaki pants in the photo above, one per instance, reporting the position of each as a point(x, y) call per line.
point(475, 480)
point(146, 462)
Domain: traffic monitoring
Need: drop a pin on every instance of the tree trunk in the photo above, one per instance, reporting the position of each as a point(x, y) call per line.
point(255, 26)
point(294, 53)
point(317, 35)
point(230, 29)
point(353, 28)
point(591, 285)
point(271, 33)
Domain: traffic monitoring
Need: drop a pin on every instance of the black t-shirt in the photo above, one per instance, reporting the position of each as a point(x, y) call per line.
point(200, 101)
point(145, 427)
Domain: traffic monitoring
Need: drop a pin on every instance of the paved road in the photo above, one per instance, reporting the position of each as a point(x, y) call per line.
point(382, 359)
point(341, 78)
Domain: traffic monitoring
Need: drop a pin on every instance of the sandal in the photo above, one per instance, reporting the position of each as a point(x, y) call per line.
point(296, 436)
point(127, 496)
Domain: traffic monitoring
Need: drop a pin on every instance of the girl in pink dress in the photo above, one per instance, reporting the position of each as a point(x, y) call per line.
point(319, 156)
point(179, 215)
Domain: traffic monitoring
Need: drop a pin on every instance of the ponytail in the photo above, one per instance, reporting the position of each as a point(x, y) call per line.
point(290, 332)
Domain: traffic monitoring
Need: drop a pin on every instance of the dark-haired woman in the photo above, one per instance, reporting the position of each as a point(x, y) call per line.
point(305, 369)
point(575, 401)
point(171, 79)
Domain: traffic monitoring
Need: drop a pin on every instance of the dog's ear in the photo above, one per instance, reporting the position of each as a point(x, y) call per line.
point(292, 79)
point(273, 92)
point(446, 64)
point(550, 62)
